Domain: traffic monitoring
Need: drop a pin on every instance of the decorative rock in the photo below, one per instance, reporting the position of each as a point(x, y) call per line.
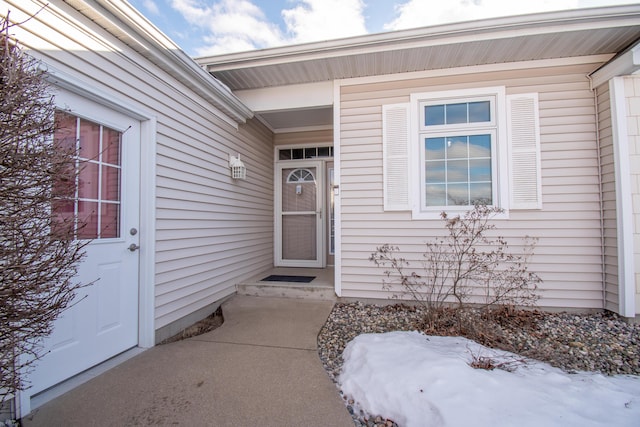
point(601, 342)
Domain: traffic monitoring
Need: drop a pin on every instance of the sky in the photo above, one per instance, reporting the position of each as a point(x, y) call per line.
point(211, 27)
point(418, 380)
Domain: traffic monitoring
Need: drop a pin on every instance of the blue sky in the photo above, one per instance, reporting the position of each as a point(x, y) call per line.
point(208, 27)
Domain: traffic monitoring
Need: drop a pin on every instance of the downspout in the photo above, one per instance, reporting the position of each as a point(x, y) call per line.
point(601, 193)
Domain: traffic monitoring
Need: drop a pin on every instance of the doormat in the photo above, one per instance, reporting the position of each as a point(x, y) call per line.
point(295, 279)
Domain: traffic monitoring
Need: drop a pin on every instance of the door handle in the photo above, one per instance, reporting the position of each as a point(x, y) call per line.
point(133, 247)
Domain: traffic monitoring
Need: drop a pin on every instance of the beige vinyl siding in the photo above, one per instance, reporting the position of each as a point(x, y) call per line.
point(568, 253)
point(211, 231)
point(609, 210)
point(324, 136)
point(632, 92)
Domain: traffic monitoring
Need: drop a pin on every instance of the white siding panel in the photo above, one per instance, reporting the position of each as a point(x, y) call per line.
point(568, 254)
point(211, 231)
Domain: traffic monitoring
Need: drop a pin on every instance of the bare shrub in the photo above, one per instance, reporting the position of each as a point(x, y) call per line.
point(466, 266)
point(489, 363)
point(38, 252)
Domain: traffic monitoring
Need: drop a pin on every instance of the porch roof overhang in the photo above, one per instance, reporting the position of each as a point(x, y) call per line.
point(543, 36)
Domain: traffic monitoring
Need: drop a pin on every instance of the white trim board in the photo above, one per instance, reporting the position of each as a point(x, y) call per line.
point(337, 204)
point(624, 203)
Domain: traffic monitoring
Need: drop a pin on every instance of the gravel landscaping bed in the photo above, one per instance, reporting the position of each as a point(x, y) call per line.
point(600, 342)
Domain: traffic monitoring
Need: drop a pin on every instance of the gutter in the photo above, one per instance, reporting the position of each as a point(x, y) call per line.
point(132, 28)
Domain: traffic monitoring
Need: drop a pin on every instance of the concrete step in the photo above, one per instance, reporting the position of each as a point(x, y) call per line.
point(288, 290)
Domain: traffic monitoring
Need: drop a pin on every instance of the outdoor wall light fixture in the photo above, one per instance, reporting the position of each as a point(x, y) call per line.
point(238, 169)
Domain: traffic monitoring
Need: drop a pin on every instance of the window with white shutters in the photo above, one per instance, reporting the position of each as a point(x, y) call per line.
point(451, 150)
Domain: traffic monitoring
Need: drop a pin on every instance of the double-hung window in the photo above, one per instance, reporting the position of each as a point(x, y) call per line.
point(457, 140)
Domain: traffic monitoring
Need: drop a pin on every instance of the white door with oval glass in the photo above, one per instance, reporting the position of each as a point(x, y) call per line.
point(103, 321)
point(299, 214)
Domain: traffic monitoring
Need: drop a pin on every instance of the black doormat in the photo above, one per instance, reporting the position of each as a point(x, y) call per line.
point(295, 279)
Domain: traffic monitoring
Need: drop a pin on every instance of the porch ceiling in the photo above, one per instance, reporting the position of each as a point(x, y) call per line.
point(575, 33)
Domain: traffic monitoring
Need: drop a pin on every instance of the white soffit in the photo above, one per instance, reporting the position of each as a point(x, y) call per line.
point(574, 33)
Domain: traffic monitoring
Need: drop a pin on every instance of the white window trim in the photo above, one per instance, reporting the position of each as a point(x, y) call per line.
point(499, 158)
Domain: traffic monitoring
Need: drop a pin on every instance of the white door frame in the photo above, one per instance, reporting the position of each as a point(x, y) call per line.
point(320, 214)
point(69, 86)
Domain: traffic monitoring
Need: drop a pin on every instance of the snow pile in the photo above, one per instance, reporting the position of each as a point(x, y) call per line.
point(418, 380)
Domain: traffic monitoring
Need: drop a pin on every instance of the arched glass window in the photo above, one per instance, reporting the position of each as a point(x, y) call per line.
point(300, 175)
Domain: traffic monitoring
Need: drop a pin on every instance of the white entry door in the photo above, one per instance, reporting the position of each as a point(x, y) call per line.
point(103, 322)
point(299, 214)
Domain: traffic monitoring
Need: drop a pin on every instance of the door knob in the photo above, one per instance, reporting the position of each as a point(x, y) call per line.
point(133, 247)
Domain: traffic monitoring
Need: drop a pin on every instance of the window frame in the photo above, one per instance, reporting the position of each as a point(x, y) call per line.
point(419, 131)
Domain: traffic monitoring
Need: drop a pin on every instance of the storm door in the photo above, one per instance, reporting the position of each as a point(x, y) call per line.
point(299, 214)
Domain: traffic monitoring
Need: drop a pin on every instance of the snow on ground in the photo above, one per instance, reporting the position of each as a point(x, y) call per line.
point(418, 380)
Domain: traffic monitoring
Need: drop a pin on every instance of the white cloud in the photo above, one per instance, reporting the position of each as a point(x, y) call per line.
point(240, 25)
point(151, 7)
point(314, 20)
point(420, 13)
point(230, 25)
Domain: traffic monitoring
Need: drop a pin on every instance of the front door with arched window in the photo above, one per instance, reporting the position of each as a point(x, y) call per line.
point(299, 214)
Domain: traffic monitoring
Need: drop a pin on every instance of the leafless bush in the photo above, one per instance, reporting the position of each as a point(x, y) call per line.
point(466, 266)
point(38, 252)
point(489, 363)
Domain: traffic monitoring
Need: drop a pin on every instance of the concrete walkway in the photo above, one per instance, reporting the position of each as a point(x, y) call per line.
point(260, 368)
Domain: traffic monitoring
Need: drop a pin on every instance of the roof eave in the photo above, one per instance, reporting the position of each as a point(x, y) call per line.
point(492, 28)
point(140, 34)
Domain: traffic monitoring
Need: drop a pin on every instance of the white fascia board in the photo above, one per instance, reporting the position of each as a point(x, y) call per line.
point(135, 30)
point(625, 64)
point(302, 96)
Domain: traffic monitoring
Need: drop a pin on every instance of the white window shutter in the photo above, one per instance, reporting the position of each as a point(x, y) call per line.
point(395, 147)
point(523, 131)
